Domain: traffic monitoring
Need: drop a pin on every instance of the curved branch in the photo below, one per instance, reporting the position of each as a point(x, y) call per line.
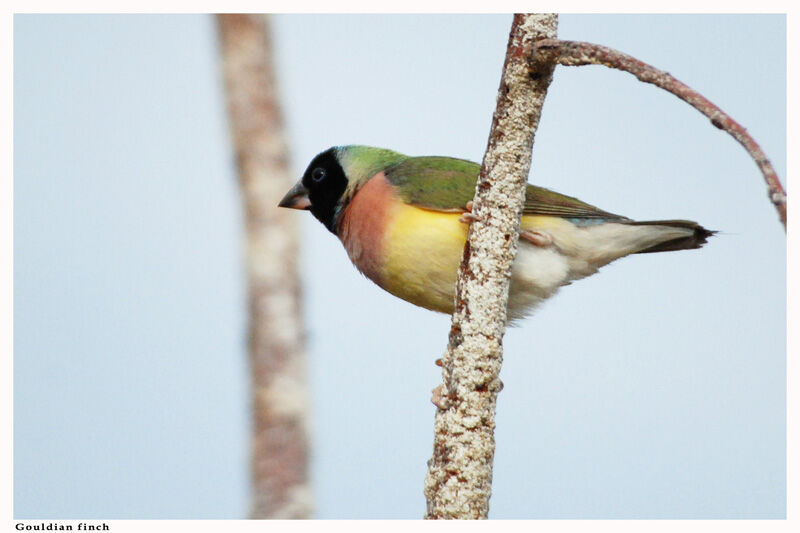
point(575, 53)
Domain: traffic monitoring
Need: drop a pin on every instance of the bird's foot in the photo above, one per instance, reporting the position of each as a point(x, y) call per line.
point(537, 238)
point(468, 217)
point(439, 398)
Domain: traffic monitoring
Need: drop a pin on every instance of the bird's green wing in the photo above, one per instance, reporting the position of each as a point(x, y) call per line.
point(447, 184)
point(437, 183)
point(541, 201)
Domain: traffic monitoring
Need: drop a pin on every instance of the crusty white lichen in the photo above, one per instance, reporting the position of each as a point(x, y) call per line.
point(458, 484)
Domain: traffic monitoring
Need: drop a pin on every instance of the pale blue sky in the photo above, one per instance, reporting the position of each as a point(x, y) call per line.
point(655, 389)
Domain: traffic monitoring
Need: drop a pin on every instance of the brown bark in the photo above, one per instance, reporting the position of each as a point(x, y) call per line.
point(572, 53)
point(279, 443)
point(458, 484)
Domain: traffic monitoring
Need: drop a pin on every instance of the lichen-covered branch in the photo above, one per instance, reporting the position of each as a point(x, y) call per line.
point(458, 484)
point(276, 339)
point(573, 53)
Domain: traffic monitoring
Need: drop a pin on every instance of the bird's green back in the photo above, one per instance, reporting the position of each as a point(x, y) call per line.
point(447, 184)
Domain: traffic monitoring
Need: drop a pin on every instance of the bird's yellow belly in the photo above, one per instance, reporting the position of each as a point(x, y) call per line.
point(422, 250)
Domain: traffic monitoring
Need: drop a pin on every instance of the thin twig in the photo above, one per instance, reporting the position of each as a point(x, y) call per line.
point(459, 480)
point(575, 53)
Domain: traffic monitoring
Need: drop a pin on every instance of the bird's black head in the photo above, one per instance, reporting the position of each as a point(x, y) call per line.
point(320, 190)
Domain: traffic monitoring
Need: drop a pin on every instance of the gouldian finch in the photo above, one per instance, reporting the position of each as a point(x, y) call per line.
point(403, 221)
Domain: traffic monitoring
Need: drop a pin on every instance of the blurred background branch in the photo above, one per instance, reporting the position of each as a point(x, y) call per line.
point(279, 403)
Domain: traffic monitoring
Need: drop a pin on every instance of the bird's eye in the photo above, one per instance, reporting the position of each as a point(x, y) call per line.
point(318, 174)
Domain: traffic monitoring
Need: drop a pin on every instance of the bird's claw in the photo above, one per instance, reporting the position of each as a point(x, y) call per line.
point(537, 238)
point(468, 217)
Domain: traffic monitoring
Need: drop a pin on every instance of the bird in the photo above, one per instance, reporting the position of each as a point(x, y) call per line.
point(403, 221)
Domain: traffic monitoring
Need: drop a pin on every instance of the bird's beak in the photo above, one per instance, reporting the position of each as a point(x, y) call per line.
point(296, 198)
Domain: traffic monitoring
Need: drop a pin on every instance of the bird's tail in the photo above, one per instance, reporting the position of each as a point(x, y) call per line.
point(687, 235)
